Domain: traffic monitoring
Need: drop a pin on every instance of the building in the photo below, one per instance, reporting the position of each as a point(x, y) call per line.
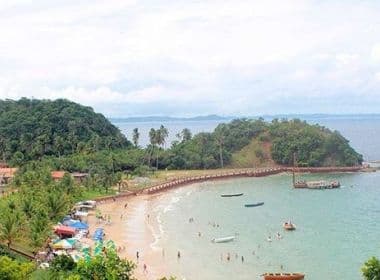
point(6, 175)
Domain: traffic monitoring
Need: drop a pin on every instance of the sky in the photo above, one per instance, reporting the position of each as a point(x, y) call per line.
point(185, 58)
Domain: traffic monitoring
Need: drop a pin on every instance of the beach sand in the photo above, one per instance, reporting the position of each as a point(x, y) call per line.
point(133, 229)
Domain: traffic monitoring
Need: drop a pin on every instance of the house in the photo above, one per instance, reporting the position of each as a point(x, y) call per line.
point(57, 175)
point(6, 175)
point(79, 177)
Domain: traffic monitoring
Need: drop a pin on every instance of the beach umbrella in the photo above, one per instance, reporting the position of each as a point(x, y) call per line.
point(98, 251)
point(63, 244)
point(79, 225)
point(110, 244)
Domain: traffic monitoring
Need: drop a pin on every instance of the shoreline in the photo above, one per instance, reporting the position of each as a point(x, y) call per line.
point(133, 230)
point(134, 227)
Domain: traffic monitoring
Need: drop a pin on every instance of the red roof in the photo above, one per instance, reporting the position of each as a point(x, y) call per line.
point(57, 174)
point(7, 172)
point(64, 230)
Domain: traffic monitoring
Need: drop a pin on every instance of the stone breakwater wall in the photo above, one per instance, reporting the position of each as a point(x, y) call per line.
point(257, 172)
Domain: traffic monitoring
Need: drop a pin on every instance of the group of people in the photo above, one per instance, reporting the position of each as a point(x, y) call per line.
point(228, 257)
point(278, 236)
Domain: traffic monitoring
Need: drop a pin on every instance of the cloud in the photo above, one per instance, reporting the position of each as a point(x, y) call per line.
point(193, 57)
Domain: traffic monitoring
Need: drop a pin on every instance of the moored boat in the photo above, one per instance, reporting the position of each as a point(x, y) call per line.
point(289, 226)
point(231, 195)
point(283, 276)
point(223, 239)
point(254, 204)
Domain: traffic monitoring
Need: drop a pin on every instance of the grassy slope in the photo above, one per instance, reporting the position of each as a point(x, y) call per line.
point(255, 154)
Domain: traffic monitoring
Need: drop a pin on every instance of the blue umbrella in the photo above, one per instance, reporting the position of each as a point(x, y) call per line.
point(79, 225)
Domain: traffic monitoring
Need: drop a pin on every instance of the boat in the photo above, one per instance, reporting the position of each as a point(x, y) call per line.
point(231, 195)
point(223, 239)
point(289, 226)
point(283, 276)
point(317, 185)
point(254, 204)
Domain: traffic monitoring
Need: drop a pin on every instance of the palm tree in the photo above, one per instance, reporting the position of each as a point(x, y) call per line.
point(161, 134)
point(186, 135)
point(9, 227)
point(220, 135)
point(153, 141)
point(56, 205)
point(136, 136)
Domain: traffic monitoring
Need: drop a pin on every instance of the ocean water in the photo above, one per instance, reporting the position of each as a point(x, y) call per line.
point(337, 230)
point(362, 131)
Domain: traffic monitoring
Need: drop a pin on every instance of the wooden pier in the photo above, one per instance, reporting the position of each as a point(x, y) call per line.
point(244, 173)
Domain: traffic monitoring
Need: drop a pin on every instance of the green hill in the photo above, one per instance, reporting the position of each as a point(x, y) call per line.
point(30, 129)
point(248, 143)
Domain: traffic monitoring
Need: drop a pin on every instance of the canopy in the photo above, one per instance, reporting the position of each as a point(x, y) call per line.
point(81, 214)
point(64, 230)
point(62, 244)
point(98, 234)
point(79, 225)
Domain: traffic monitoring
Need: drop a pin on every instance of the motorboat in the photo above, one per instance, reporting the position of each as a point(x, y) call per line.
point(223, 239)
point(289, 226)
point(283, 276)
point(254, 204)
point(231, 195)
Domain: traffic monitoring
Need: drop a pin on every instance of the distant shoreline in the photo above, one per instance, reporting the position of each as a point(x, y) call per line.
point(229, 118)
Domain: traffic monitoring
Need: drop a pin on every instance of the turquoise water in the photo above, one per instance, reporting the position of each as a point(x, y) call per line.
point(337, 230)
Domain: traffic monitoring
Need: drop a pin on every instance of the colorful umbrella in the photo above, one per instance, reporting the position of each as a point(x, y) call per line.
point(63, 244)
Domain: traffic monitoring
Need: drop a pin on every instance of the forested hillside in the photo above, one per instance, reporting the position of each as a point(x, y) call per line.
point(313, 145)
point(30, 129)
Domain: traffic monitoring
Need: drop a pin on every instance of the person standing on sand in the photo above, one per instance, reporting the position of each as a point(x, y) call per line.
point(145, 268)
point(125, 205)
point(228, 257)
point(242, 259)
point(137, 255)
point(179, 255)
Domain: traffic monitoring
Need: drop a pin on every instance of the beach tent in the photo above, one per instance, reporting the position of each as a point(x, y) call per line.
point(69, 221)
point(98, 234)
point(64, 230)
point(79, 225)
point(63, 244)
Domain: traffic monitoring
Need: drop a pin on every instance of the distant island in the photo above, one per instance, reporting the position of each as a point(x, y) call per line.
point(171, 119)
point(214, 117)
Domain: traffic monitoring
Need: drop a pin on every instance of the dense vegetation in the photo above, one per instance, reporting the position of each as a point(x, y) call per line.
point(271, 143)
point(72, 137)
point(30, 129)
point(371, 269)
point(313, 145)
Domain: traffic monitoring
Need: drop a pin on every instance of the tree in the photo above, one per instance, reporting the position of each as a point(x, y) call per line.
point(56, 204)
point(153, 142)
point(160, 139)
point(9, 227)
point(108, 265)
point(371, 269)
point(135, 137)
point(220, 133)
point(186, 135)
point(14, 270)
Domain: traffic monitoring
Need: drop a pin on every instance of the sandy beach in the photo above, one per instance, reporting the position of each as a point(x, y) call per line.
point(132, 228)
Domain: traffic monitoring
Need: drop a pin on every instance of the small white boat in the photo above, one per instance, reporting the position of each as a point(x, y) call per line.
point(223, 239)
